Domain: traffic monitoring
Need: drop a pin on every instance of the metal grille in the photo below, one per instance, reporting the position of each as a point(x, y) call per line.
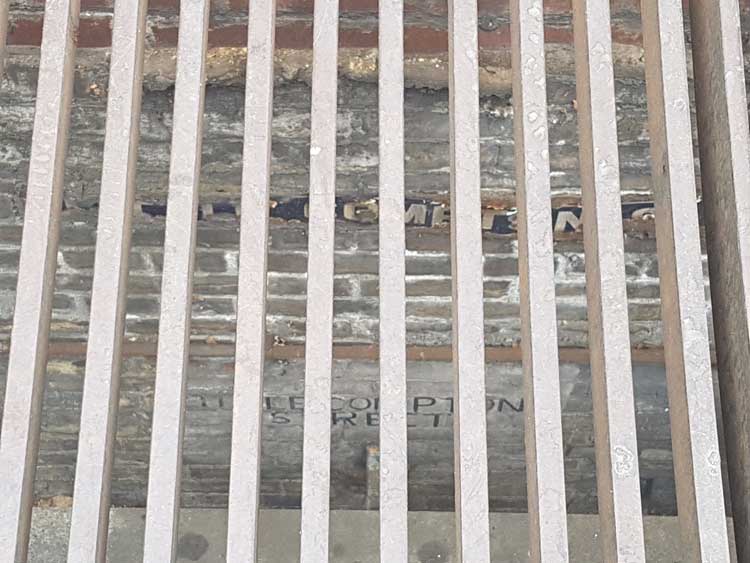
point(724, 140)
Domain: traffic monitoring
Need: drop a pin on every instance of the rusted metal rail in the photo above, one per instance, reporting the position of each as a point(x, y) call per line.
point(19, 440)
point(316, 447)
point(544, 445)
point(244, 485)
point(618, 482)
point(470, 426)
point(724, 141)
point(165, 462)
point(3, 31)
point(695, 443)
point(394, 470)
point(109, 290)
point(721, 105)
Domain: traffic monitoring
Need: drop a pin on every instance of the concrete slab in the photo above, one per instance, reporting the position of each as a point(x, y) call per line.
point(354, 537)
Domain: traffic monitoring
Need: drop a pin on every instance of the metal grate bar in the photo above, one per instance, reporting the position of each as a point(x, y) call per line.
point(165, 467)
point(697, 463)
point(544, 445)
point(618, 481)
point(244, 484)
point(316, 447)
point(721, 105)
point(724, 132)
point(90, 515)
point(470, 426)
point(19, 442)
point(3, 32)
point(394, 471)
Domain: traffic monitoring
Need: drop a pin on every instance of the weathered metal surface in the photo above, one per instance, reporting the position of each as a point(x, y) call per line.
point(394, 470)
point(244, 484)
point(316, 448)
point(544, 445)
point(19, 440)
point(3, 32)
point(165, 462)
point(695, 444)
point(618, 481)
point(90, 514)
point(470, 423)
point(724, 136)
point(721, 107)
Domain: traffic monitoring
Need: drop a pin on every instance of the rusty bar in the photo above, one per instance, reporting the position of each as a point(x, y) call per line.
point(618, 481)
point(3, 32)
point(394, 470)
point(470, 423)
point(165, 465)
point(244, 483)
point(19, 441)
point(548, 539)
point(316, 449)
point(90, 514)
point(721, 107)
point(695, 445)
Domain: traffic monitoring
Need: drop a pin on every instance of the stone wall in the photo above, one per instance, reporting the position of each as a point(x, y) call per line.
point(426, 99)
point(354, 424)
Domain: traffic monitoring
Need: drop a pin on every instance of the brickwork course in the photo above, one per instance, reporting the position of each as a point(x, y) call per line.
point(356, 280)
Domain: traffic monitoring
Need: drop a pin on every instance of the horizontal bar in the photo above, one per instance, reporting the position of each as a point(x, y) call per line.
point(165, 462)
point(27, 363)
point(721, 107)
point(618, 479)
point(316, 447)
point(394, 469)
point(695, 444)
point(470, 422)
point(90, 514)
point(544, 444)
point(244, 482)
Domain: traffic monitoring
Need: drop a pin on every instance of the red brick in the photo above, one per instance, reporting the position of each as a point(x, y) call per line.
point(425, 40)
point(94, 4)
point(92, 32)
point(626, 36)
point(306, 6)
point(419, 39)
point(434, 7)
point(497, 7)
point(25, 32)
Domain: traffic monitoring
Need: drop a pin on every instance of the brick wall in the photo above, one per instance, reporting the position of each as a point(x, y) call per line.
point(356, 284)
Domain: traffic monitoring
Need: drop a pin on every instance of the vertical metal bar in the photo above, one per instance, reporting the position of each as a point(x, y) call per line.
point(394, 471)
point(721, 106)
point(19, 441)
point(3, 32)
point(163, 501)
point(316, 449)
point(90, 515)
point(618, 481)
point(697, 463)
point(544, 442)
point(470, 423)
point(244, 483)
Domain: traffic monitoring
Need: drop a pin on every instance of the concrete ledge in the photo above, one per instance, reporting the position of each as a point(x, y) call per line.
point(354, 537)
